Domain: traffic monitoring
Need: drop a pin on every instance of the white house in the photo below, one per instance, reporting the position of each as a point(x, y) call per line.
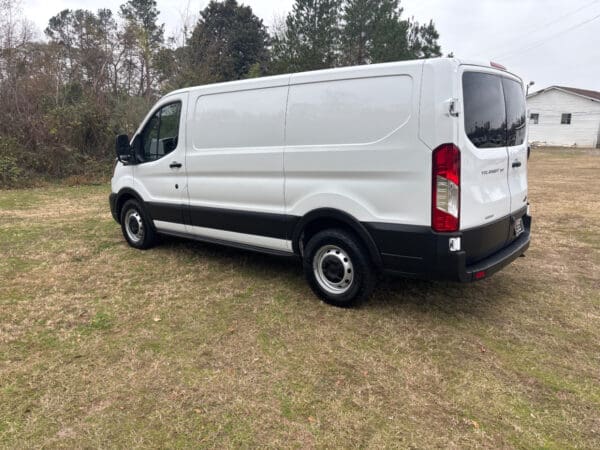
point(564, 116)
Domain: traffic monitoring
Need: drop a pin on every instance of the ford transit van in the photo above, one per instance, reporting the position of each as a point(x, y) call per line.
point(415, 168)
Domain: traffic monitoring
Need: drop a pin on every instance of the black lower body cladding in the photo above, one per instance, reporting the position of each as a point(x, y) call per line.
point(419, 252)
point(407, 250)
point(112, 200)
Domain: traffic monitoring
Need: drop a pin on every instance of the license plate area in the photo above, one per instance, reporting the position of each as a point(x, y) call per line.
point(518, 227)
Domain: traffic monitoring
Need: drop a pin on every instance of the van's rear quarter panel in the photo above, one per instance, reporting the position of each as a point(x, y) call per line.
point(371, 164)
point(439, 85)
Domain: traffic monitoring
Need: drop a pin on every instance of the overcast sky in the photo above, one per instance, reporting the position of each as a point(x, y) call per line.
point(546, 41)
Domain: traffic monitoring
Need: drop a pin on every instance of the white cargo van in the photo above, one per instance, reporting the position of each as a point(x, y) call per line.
point(417, 168)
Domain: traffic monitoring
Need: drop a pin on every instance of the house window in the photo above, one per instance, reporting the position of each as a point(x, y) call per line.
point(534, 118)
point(565, 119)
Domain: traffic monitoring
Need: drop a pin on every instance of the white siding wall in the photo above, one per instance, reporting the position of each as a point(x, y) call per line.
point(585, 120)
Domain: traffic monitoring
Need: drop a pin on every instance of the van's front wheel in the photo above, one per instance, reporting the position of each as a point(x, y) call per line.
point(338, 269)
point(136, 226)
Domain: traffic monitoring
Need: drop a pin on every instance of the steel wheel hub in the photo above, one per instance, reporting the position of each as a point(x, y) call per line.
point(134, 225)
point(333, 269)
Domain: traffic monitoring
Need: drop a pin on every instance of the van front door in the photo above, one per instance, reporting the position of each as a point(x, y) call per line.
point(159, 175)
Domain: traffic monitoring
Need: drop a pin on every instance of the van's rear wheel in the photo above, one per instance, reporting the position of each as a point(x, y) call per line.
point(136, 226)
point(338, 269)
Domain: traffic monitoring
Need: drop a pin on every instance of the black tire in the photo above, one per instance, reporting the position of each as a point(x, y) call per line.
point(142, 237)
point(327, 269)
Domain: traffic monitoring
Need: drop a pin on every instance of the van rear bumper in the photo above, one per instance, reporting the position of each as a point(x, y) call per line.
point(497, 261)
point(426, 254)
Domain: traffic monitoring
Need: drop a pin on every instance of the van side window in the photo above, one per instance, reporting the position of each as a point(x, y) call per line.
point(161, 133)
point(516, 112)
point(485, 110)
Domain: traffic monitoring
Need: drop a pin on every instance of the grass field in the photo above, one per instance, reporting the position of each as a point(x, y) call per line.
point(191, 345)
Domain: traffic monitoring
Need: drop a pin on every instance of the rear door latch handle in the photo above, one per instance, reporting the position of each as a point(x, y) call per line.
point(175, 165)
point(516, 164)
point(453, 107)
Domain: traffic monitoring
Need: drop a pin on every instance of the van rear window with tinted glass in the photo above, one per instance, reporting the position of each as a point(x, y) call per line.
point(494, 108)
point(485, 111)
point(516, 112)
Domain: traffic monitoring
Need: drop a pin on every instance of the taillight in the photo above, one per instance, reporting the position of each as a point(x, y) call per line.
point(445, 193)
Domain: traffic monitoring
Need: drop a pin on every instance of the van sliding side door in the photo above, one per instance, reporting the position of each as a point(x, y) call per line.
point(234, 164)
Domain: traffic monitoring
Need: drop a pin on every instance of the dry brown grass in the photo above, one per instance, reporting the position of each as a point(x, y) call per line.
point(192, 345)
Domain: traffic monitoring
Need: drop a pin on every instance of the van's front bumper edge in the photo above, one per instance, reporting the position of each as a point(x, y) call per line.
point(426, 255)
point(112, 200)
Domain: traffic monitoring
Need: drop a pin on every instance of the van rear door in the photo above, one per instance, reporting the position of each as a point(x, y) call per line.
point(485, 193)
point(516, 142)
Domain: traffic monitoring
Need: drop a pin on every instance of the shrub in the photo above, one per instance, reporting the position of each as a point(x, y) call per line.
point(11, 171)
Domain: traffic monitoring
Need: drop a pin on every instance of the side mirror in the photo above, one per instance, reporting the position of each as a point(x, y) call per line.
point(528, 151)
point(123, 149)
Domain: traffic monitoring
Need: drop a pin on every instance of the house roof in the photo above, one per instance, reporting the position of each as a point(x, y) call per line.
point(592, 95)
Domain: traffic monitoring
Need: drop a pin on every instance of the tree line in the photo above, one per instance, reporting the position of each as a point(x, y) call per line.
point(94, 74)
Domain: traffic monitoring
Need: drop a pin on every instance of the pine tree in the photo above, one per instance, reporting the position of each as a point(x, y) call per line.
point(311, 37)
point(424, 40)
point(227, 42)
point(374, 31)
point(390, 34)
point(359, 24)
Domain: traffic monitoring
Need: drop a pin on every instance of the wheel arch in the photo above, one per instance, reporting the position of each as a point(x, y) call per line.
point(324, 218)
point(122, 196)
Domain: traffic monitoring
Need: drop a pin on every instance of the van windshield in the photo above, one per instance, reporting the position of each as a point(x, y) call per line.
point(494, 109)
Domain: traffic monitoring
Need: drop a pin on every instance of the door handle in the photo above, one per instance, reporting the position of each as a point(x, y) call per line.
point(516, 164)
point(175, 165)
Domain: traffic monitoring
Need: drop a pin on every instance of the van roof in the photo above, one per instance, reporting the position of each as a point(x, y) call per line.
point(487, 65)
point(369, 68)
